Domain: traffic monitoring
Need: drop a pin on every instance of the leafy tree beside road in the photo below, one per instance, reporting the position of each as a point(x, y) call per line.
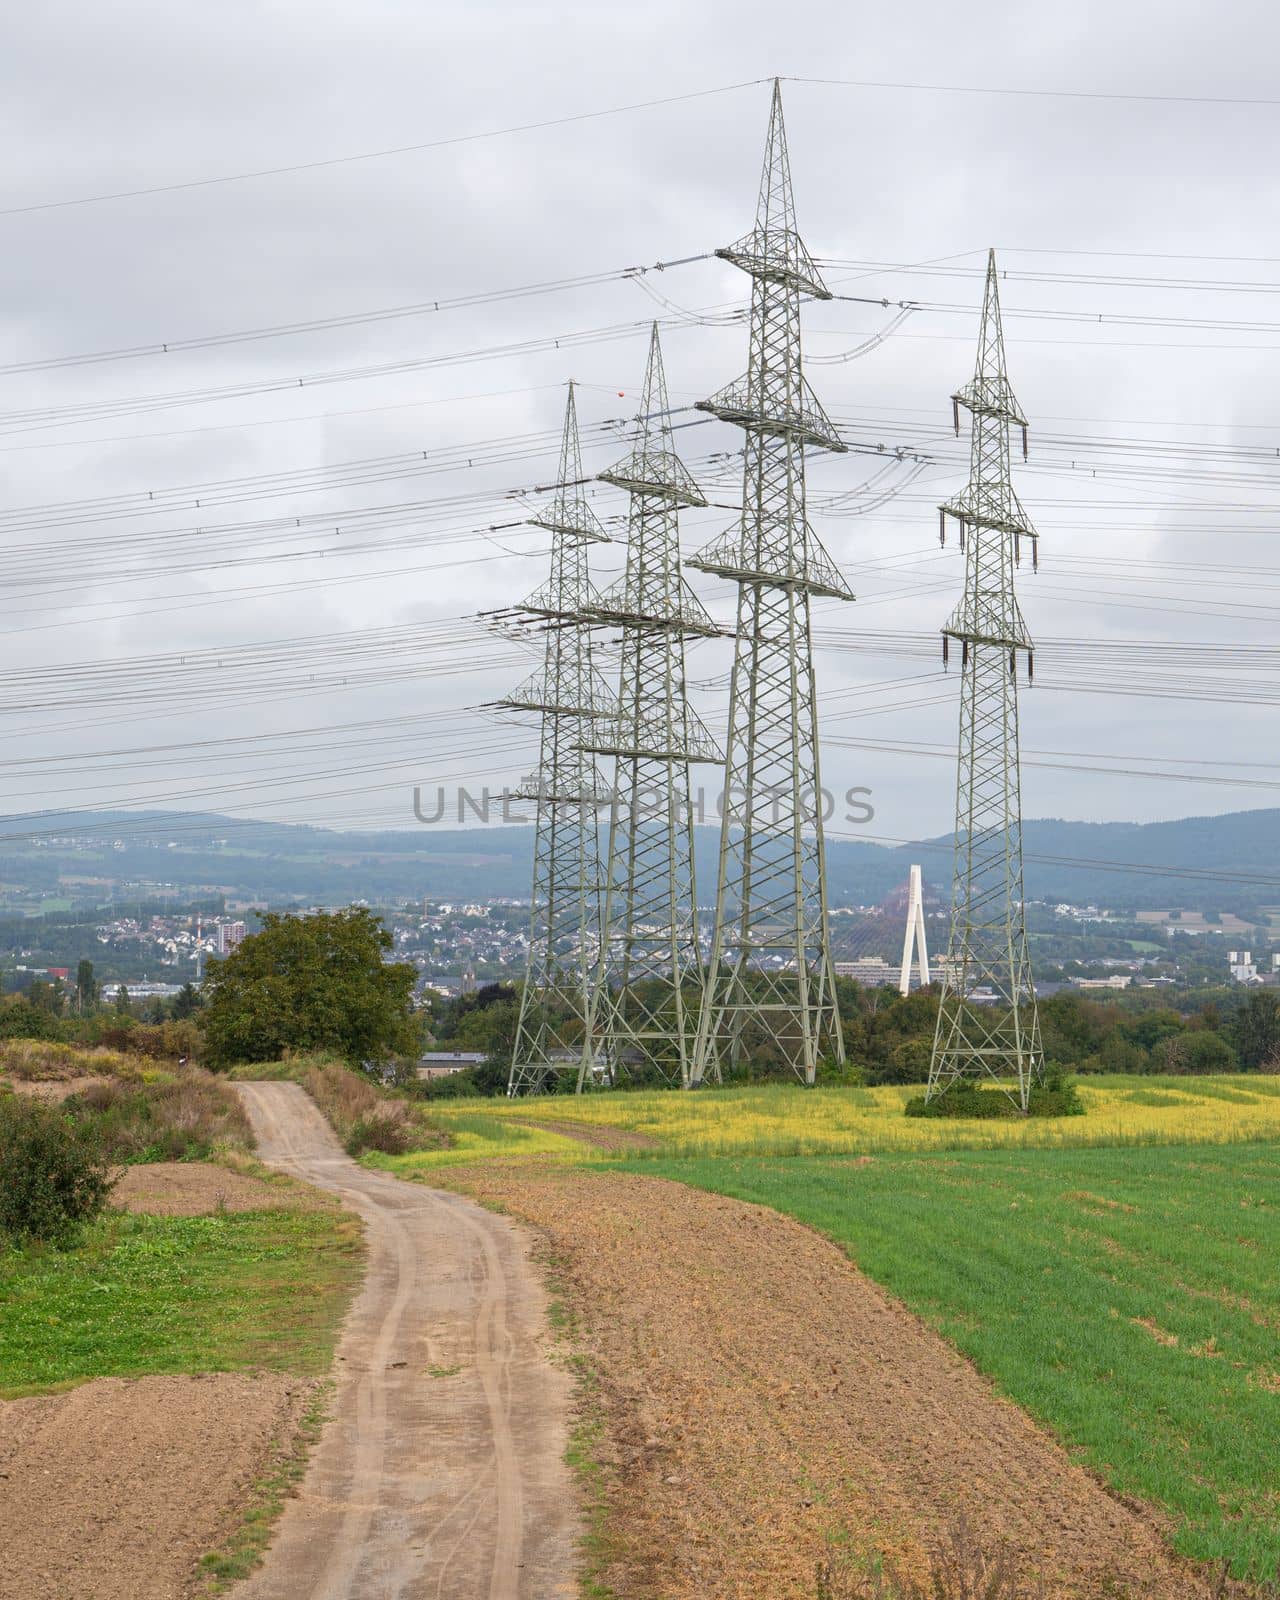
point(310, 983)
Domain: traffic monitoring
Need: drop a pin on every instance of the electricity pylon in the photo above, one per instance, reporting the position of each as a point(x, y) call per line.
point(995, 1034)
point(649, 985)
point(564, 921)
point(771, 983)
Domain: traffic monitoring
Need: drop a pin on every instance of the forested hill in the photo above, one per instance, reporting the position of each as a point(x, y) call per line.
point(1224, 863)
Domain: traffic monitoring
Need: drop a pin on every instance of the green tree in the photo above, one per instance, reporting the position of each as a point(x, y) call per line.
point(122, 1000)
point(1119, 1054)
point(1197, 1051)
point(45, 996)
point(908, 1061)
point(1149, 1029)
point(86, 985)
point(186, 1002)
point(1257, 1028)
point(310, 983)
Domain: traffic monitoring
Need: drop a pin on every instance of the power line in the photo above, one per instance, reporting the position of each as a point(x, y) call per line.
point(1032, 759)
point(375, 155)
point(1038, 94)
point(349, 319)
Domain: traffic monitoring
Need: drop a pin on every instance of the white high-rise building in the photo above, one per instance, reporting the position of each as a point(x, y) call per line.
point(227, 936)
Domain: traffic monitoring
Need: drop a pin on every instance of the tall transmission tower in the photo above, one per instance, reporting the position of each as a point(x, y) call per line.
point(771, 983)
point(1000, 1037)
point(564, 923)
point(649, 988)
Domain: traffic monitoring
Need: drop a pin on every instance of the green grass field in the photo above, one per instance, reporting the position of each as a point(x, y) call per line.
point(147, 1294)
point(1128, 1298)
point(1116, 1274)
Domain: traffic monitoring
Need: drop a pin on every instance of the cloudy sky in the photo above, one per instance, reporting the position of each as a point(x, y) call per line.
point(243, 572)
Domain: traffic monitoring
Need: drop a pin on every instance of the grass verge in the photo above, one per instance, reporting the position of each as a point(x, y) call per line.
point(147, 1294)
point(584, 1454)
point(1127, 1298)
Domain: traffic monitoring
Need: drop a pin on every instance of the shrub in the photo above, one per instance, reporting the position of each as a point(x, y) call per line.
point(19, 1019)
point(390, 1135)
point(453, 1086)
point(1198, 1052)
point(53, 1174)
point(183, 1118)
point(365, 1117)
point(848, 1076)
point(38, 1060)
point(158, 1041)
point(908, 1062)
point(1057, 1096)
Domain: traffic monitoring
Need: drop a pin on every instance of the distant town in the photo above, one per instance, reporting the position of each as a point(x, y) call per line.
point(461, 945)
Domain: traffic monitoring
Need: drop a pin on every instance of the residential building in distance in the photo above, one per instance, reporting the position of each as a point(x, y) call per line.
point(1243, 968)
point(442, 1063)
point(874, 972)
point(227, 935)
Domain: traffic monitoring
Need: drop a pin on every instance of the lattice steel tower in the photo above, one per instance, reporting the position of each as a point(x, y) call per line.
point(997, 1039)
point(564, 925)
point(771, 985)
point(648, 993)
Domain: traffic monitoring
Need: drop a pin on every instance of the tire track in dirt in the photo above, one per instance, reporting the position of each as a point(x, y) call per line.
point(441, 1472)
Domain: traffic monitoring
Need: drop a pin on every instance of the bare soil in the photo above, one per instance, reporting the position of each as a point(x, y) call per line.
point(442, 1472)
point(115, 1490)
point(759, 1398)
point(197, 1188)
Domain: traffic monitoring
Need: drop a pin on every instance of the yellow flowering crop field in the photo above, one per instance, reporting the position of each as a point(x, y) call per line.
point(785, 1119)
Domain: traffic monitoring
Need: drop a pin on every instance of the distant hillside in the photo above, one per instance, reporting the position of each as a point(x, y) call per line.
point(1229, 862)
point(1220, 863)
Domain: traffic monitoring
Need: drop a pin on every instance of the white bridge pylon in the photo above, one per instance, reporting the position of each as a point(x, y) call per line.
point(914, 937)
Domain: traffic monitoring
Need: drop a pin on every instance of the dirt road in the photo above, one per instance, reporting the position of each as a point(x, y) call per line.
point(441, 1475)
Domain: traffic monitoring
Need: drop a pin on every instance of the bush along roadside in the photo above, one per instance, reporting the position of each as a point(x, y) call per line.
point(185, 1117)
point(54, 1175)
point(366, 1117)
